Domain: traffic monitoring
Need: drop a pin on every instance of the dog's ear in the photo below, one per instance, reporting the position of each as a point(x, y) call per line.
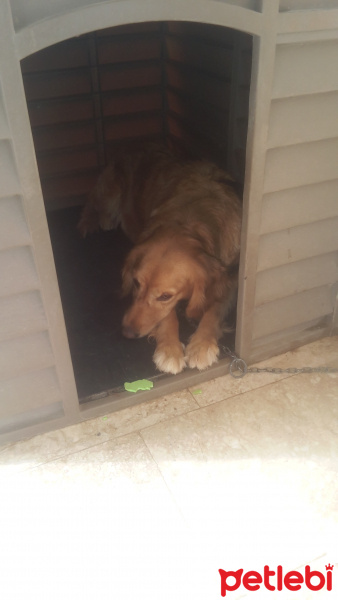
point(208, 285)
point(131, 263)
point(197, 299)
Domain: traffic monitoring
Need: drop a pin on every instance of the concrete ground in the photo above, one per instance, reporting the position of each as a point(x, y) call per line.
point(151, 501)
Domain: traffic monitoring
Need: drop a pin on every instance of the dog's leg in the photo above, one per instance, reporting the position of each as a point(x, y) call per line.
point(169, 355)
point(202, 350)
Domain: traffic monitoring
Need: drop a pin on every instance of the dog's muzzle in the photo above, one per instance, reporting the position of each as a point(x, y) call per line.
point(129, 332)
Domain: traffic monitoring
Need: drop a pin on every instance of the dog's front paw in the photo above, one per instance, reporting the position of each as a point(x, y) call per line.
point(169, 359)
point(201, 352)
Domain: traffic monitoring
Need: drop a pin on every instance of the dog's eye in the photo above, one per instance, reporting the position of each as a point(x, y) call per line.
point(164, 297)
point(136, 283)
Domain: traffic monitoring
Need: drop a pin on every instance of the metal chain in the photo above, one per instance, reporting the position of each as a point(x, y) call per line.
point(238, 367)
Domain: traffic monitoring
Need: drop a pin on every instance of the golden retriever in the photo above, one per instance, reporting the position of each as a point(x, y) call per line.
point(184, 218)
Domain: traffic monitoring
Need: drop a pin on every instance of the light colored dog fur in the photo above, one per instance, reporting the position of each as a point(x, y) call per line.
point(184, 218)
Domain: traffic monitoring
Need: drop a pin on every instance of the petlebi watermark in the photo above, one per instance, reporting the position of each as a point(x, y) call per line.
point(276, 579)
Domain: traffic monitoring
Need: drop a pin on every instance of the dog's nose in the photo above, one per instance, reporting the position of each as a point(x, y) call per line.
point(129, 332)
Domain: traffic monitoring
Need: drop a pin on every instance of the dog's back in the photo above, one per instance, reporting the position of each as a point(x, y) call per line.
point(136, 181)
point(151, 186)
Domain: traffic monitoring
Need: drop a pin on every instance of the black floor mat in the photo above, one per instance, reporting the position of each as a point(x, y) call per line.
point(89, 279)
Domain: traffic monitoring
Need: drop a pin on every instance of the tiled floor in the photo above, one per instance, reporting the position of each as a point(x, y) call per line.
point(150, 502)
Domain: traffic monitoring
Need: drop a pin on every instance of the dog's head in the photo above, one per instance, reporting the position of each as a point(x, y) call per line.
point(160, 273)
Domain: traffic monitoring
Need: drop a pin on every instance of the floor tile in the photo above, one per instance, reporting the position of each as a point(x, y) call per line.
point(96, 523)
point(43, 448)
point(319, 353)
point(257, 475)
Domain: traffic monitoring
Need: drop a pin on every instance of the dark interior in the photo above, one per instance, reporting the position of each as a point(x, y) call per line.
point(182, 83)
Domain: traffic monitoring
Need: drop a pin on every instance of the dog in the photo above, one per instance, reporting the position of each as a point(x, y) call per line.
point(184, 217)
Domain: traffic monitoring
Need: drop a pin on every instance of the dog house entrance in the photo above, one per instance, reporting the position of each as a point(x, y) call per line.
point(179, 83)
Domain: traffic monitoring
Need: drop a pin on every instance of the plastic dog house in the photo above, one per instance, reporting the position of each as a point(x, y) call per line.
point(289, 267)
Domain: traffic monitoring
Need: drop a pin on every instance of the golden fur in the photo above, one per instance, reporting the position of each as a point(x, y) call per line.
point(184, 218)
